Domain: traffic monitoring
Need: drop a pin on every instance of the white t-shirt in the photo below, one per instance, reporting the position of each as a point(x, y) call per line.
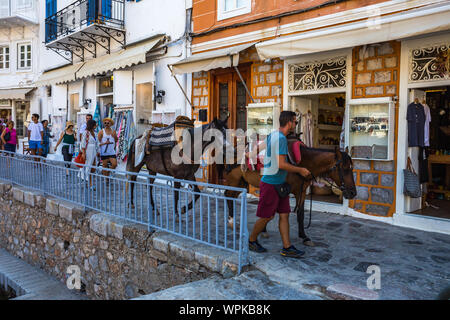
point(82, 130)
point(35, 129)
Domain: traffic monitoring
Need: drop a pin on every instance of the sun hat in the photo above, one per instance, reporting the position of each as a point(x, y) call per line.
point(109, 119)
point(68, 124)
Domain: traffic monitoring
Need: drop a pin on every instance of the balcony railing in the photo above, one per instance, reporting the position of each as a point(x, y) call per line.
point(83, 13)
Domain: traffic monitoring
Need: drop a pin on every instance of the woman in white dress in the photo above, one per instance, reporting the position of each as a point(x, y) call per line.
point(90, 149)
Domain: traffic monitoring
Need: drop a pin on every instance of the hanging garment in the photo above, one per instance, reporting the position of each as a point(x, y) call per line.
point(426, 131)
point(306, 128)
point(415, 116)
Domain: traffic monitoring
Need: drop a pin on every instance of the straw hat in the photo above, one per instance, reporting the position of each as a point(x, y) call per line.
point(68, 124)
point(110, 120)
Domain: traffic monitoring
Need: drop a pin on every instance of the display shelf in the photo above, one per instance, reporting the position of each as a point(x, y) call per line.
point(329, 127)
point(439, 191)
point(328, 146)
point(331, 108)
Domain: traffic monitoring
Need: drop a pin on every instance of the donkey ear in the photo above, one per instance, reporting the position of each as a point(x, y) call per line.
point(346, 149)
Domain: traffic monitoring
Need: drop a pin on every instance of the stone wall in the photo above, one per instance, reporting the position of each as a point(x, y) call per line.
point(267, 81)
point(118, 260)
point(200, 93)
point(376, 72)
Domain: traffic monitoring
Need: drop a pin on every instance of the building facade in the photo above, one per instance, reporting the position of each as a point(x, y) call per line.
point(19, 62)
point(348, 68)
point(109, 58)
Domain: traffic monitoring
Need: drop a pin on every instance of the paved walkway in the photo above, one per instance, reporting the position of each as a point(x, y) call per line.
point(413, 264)
point(31, 283)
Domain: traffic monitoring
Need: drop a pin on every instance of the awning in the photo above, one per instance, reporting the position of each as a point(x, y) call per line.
point(411, 23)
point(123, 58)
point(61, 75)
point(221, 58)
point(15, 93)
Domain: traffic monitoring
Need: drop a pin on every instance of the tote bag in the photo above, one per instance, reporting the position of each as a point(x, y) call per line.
point(411, 186)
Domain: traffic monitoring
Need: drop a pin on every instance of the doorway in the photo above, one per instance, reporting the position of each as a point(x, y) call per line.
point(229, 99)
point(320, 122)
point(433, 167)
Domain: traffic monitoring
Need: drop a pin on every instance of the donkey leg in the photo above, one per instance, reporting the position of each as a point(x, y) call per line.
point(190, 204)
point(301, 224)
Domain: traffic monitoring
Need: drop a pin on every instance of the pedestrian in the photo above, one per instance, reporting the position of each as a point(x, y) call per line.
point(46, 138)
point(68, 138)
point(83, 126)
point(9, 137)
point(35, 135)
point(90, 149)
point(1, 131)
point(271, 199)
point(108, 139)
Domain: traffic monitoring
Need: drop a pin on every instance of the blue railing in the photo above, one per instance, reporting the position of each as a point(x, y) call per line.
point(82, 13)
point(205, 223)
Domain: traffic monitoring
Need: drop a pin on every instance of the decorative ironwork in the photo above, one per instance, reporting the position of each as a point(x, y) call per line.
point(431, 63)
point(318, 75)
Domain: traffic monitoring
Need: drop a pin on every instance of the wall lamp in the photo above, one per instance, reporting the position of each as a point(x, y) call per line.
point(159, 96)
point(86, 103)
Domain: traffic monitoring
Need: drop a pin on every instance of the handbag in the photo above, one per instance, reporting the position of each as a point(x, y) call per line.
point(411, 186)
point(283, 189)
point(79, 157)
point(7, 136)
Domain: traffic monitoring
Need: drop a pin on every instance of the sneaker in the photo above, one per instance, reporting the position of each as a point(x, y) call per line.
point(255, 246)
point(291, 252)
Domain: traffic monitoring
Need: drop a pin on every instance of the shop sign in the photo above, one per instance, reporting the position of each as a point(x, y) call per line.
point(318, 75)
point(430, 63)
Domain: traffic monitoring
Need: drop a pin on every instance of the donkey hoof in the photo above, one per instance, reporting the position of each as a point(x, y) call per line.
point(230, 223)
point(265, 234)
point(308, 242)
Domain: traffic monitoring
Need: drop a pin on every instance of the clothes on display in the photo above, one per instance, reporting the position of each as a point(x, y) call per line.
point(126, 132)
point(415, 116)
point(426, 131)
point(306, 126)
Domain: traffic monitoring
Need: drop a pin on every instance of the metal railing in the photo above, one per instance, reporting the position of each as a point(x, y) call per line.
point(205, 223)
point(82, 13)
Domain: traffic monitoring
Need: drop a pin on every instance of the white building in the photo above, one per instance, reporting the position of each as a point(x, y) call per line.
point(113, 55)
point(19, 63)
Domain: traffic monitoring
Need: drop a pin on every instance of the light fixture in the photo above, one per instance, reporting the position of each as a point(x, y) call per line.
point(159, 96)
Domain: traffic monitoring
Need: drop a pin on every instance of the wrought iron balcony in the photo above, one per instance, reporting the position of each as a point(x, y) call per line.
point(14, 13)
point(85, 26)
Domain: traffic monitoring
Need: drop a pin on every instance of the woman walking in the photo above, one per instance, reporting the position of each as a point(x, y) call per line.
point(9, 137)
point(46, 139)
point(90, 150)
point(108, 139)
point(68, 138)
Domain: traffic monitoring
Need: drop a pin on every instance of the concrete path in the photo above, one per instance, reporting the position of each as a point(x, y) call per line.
point(252, 285)
point(413, 264)
point(31, 283)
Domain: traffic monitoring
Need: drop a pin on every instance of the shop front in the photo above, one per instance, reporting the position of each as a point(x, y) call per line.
point(15, 106)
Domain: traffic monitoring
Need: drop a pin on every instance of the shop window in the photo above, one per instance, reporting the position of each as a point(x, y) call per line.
point(105, 85)
point(232, 8)
point(144, 104)
point(327, 74)
point(4, 58)
point(24, 56)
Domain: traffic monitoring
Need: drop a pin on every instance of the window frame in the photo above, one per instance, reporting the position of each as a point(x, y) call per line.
point(25, 6)
point(4, 46)
point(24, 44)
point(222, 14)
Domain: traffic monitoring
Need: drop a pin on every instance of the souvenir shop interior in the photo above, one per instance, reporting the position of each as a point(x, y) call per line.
point(320, 122)
point(434, 156)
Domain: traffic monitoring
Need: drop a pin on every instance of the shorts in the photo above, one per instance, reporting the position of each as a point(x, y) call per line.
point(34, 145)
point(270, 202)
point(108, 157)
point(10, 147)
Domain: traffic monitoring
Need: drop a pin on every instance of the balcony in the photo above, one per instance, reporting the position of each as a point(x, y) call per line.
point(18, 14)
point(86, 28)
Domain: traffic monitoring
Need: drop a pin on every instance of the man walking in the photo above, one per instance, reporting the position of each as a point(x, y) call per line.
point(83, 126)
point(35, 135)
point(275, 171)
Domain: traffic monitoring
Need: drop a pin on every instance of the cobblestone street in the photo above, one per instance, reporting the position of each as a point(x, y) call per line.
point(414, 264)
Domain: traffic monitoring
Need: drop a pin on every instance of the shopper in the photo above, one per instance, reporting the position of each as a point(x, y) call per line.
point(82, 129)
point(46, 139)
point(2, 128)
point(68, 138)
point(9, 137)
point(108, 139)
point(275, 171)
point(90, 149)
point(35, 135)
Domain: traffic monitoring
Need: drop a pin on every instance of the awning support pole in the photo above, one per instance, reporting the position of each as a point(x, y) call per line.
point(243, 82)
point(175, 77)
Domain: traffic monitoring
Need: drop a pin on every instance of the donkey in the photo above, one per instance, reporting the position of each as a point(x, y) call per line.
point(336, 165)
point(159, 161)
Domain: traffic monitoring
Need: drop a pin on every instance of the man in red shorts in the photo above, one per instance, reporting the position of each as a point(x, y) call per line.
point(275, 171)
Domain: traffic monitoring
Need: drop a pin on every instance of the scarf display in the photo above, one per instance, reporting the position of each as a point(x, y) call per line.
point(126, 132)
